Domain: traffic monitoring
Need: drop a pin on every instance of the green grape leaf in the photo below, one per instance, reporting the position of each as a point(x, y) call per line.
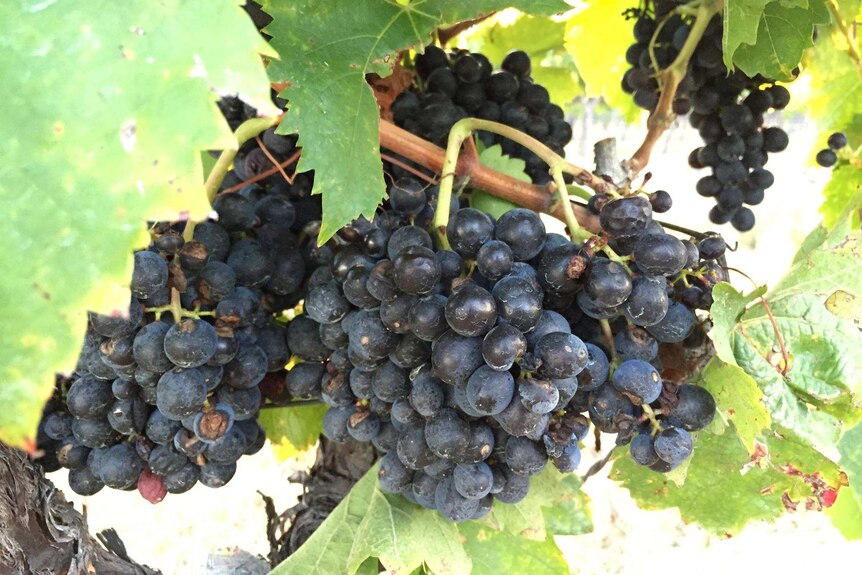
point(835, 96)
point(741, 19)
point(106, 112)
point(404, 537)
point(783, 34)
point(728, 305)
point(294, 429)
point(599, 56)
point(493, 158)
point(540, 37)
point(823, 384)
point(497, 552)
point(738, 400)
point(845, 305)
point(725, 488)
point(845, 513)
point(830, 259)
point(842, 193)
point(325, 60)
point(329, 547)
point(850, 448)
point(555, 503)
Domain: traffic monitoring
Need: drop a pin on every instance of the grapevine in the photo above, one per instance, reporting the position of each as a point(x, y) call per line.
point(370, 232)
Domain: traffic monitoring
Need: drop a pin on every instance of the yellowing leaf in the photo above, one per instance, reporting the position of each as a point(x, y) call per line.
point(106, 108)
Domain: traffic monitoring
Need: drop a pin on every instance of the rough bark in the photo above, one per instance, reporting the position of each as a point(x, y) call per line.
point(337, 467)
point(41, 533)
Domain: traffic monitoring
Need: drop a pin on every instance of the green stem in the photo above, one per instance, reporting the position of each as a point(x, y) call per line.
point(609, 338)
point(579, 192)
point(459, 132)
point(245, 132)
point(613, 256)
point(558, 166)
point(852, 48)
point(576, 232)
point(654, 424)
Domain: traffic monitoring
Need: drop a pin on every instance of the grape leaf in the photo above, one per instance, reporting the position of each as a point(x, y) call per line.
point(850, 447)
point(404, 536)
point(728, 305)
point(830, 259)
point(540, 37)
point(843, 192)
point(845, 514)
point(845, 305)
point(292, 430)
point(738, 400)
point(822, 387)
point(493, 158)
point(555, 502)
point(600, 56)
point(370, 523)
point(497, 552)
point(835, 97)
point(725, 488)
point(326, 52)
point(106, 111)
point(783, 33)
point(741, 19)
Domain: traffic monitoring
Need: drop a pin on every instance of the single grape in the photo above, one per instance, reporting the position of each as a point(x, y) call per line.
point(407, 196)
point(827, 158)
point(447, 433)
point(454, 357)
point(494, 259)
point(503, 346)
point(561, 355)
point(181, 393)
point(608, 282)
point(489, 392)
point(190, 343)
point(694, 408)
point(837, 140)
point(416, 270)
point(538, 395)
point(642, 450)
point(638, 380)
point(525, 457)
point(673, 445)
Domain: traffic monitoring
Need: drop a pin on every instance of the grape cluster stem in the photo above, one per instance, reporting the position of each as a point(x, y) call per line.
point(431, 157)
point(463, 130)
point(246, 131)
point(669, 78)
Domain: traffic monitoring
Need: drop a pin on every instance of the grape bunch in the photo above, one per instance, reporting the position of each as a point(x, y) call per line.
point(463, 84)
point(828, 157)
point(470, 368)
point(727, 109)
point(169, 396)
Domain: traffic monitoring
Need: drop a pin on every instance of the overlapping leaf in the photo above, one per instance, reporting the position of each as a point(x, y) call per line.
point(783, 34)
point(405, 537)
point(741, 19)
point(326, 52)
point(738, 399)
point(725, 488)
point(600, 56)
point(105, 110)
point(292, 430)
